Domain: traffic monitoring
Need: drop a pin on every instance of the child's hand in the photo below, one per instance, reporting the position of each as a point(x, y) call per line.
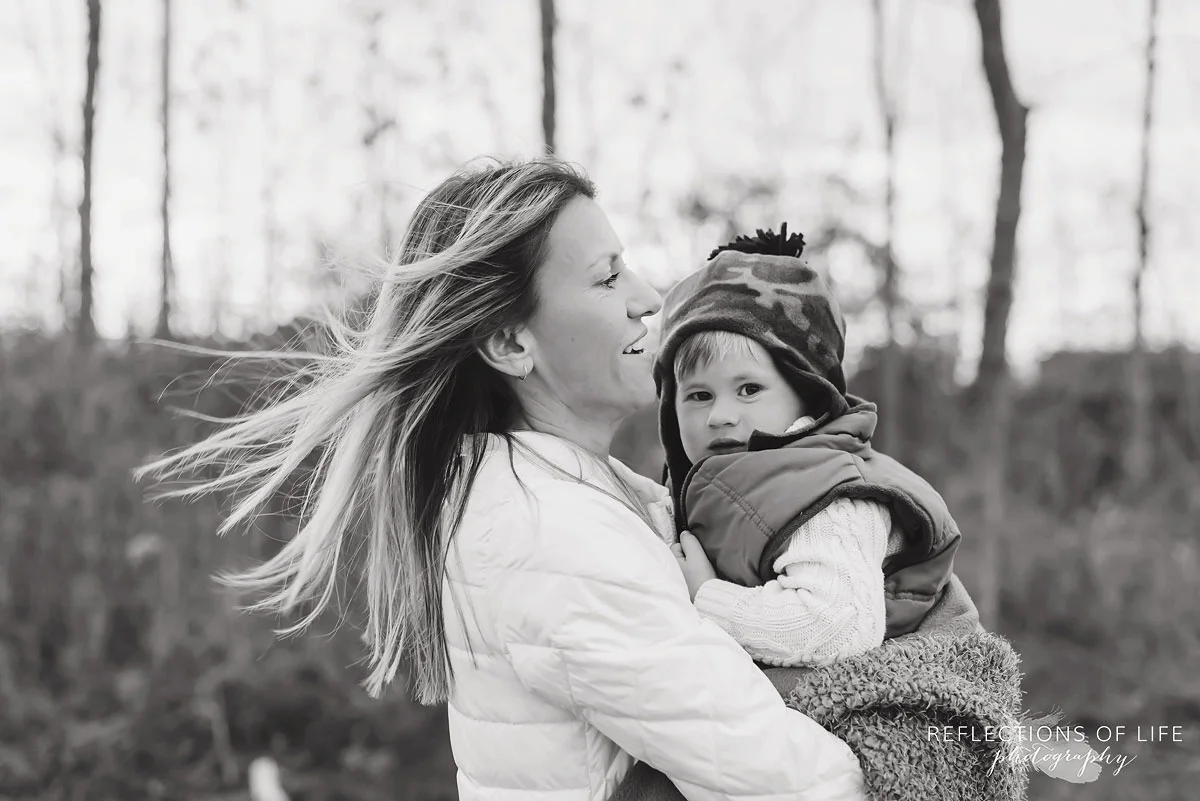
point(693, 562)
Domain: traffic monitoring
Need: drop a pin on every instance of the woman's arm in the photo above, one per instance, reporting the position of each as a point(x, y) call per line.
point(596, 618)
point(827, 600)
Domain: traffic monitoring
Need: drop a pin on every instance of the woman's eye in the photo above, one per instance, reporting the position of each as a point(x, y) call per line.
point(750, 390)
point(611, 281)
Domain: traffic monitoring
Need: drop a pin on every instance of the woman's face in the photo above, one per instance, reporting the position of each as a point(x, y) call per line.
point(591, 352)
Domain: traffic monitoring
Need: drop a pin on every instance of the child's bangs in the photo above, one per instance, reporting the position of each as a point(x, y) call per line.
point(706, 347)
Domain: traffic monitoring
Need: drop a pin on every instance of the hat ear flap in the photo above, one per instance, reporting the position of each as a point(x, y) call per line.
point(838, 318)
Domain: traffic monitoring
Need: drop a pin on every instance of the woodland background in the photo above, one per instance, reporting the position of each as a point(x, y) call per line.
point(1006, 226)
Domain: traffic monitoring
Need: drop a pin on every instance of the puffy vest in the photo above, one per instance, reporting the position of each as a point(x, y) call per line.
point(743, 507)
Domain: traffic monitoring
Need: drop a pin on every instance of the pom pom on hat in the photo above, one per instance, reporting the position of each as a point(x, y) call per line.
point(767, 242)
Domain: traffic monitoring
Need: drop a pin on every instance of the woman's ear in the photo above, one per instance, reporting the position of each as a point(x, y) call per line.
point(509, 351)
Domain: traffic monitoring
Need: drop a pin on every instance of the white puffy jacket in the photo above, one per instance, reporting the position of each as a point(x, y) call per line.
point(586, 654)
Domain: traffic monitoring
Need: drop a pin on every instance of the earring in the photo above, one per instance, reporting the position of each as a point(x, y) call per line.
point(528, 370)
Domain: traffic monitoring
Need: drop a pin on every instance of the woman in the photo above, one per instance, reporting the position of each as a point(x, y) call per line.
point(463, 485)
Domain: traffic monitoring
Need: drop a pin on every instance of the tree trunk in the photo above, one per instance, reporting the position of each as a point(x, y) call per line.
point(892, 374)
point(1141, 390)
point(60, 206)
point(223, 249)
point(380, 120)
point(991, 391)
point(167, 279)
point(61, 211)
point(548, 95)
point(269, 190)
point(85, 329)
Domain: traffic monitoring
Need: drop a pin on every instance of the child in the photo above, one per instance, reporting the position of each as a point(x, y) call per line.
point(815, 546)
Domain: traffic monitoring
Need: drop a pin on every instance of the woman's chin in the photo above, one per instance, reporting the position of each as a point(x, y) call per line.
point(633, 385)
point(645, 393)
point(635, 401)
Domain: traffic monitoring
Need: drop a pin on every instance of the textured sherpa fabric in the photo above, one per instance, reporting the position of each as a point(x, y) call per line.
point(892, 704)
point(778, 301)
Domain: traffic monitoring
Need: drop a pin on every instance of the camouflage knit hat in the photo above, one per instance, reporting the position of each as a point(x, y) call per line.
point(760, 288)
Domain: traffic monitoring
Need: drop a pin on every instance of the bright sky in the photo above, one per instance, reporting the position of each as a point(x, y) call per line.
point(658, 99)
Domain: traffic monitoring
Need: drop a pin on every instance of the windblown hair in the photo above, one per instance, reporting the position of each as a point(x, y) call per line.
point(705, 347)
point(384, 416)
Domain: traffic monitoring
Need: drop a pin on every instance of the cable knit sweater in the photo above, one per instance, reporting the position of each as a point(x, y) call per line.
point(827, 601)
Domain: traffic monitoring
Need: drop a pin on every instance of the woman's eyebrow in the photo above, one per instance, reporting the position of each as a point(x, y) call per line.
point(606, 258)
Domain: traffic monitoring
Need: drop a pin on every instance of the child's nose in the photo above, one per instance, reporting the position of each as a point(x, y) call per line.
point(722, 414)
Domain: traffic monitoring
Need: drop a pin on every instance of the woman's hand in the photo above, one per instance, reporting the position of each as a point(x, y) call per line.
point(693, 562)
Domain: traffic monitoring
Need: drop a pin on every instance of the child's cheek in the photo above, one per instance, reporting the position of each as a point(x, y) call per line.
point(689, 435)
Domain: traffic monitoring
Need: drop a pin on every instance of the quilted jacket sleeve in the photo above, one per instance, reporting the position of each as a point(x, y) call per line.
point(595, 617)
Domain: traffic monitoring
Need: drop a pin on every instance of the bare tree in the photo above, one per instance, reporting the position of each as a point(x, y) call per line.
point(549, 22)
point(61, 211)
point(584, 54)
point(1137, 457)
point(85, 326)
point(269, 190)
point(380, 118)
point(990, 390)
point(217, 85)
point(891, 394)
point(167, 279)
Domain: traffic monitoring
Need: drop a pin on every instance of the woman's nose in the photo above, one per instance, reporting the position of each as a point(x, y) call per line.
point(644, 300)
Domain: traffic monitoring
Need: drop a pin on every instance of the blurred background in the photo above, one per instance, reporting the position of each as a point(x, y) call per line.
point(998, 190)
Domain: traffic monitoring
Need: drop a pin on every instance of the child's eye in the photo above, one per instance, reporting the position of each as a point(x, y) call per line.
point(611, 281)
point(699, 396)
point(750, 390)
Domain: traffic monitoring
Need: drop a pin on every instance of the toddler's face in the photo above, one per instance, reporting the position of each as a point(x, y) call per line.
point(722, 402)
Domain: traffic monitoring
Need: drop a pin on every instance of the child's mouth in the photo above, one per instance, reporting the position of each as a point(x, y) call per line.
point(725, 445)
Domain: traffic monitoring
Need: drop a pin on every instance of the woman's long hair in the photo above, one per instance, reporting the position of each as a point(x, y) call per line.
point(384, 416)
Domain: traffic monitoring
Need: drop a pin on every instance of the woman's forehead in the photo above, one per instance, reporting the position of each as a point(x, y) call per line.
point(581, 238)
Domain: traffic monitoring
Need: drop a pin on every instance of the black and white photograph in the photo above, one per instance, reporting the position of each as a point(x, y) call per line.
point(565, 400)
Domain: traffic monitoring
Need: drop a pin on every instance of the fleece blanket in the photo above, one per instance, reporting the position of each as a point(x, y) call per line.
point(926, 714)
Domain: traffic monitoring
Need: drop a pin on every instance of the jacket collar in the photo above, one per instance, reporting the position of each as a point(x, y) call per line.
point(571, 459)
point(853, 429)
point(850, 432)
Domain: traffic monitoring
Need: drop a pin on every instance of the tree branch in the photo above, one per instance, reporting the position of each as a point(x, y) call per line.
point(1011, 119)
